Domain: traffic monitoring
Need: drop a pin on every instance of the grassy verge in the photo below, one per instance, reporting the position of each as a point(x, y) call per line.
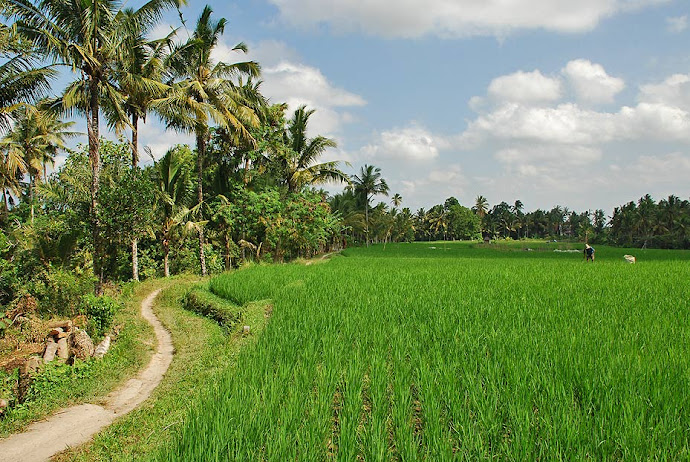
point(60, 386)
point(203, 353)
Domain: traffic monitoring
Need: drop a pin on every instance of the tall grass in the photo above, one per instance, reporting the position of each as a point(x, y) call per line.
point(456, 353)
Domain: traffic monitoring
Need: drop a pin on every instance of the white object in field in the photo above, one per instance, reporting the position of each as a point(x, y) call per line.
point(246, 330)
point(102, 347)
point(630, 258)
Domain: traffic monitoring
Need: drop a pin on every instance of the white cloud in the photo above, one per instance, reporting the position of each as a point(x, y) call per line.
point(453, 18)
point(674, 91)
point(525, 87)
point(591, 82)
point(437, 183)
point(154, 135)
point(677, 24)
point(545, 155)
point(566, 123)
point(563, 150)
point(298, 84)
point(412, 143)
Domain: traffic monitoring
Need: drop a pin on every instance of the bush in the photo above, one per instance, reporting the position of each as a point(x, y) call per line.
point(201, 301)
point(60, 291)
point(100, 312)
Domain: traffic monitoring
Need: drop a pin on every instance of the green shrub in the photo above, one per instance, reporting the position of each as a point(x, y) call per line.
point(60, 291)
point(201, 301)
point(100, 311)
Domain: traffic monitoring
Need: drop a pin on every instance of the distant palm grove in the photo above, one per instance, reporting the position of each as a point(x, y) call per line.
point(247, 190)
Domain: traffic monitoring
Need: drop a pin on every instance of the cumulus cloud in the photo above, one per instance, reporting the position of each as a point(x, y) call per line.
point(412, 143)
point(428, 186)
point(591, 82)
point(674, 91)
point(677, 24)
point(299, 84)
point(562, 156)
point(525, 87)
point(453, 18)
point(662, 113)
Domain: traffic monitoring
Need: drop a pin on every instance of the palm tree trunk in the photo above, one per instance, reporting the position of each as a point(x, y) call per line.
point(227, 253)
point(366, 218)
point(135, 161)
point(135, 140)
point(166, 263)
point(95, 161)
point(135, 259)
point(32, 187)
point(201, 147)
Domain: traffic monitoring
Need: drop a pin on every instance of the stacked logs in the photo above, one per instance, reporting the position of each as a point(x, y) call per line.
point(66, 341)
point(57, 342)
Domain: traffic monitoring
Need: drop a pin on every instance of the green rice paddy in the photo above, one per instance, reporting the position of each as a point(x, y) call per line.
point(454, 351)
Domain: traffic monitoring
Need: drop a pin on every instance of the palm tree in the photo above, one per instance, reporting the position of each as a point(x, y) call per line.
point(90, 36)
point(396, 200)
point(12, 168)
point(138, 76)
point(203, 92)
point(21, 80)
point(368, 184)
point(174, 188)
point(37, 136)
point(298, 162)
point(517, 212)
point(481, 208)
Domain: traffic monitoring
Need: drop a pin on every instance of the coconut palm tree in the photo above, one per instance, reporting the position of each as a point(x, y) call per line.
point(203, 92)
point(174, 188)
point(368, 184)
point(396, 200)
point(37, 136)
point(90, 36)
point(138, 76)
point(298, 161)
point(21, 79)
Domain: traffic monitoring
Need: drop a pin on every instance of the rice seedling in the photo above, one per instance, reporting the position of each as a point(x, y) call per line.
point(456, 353)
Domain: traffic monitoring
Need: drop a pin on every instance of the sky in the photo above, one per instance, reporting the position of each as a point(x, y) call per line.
point(583, 104)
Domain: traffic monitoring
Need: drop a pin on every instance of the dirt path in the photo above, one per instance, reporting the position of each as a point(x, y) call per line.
point(77, 425)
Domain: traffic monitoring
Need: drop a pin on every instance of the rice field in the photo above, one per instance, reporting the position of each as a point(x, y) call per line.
point(451, 351)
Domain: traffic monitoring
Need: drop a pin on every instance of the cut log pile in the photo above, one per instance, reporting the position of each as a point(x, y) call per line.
point(67, 341)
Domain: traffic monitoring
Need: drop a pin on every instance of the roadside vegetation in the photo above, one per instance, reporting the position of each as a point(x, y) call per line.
point(205, 351)
point(58, 385)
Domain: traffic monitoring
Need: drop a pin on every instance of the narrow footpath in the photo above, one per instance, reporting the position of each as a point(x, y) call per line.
point(76, 425)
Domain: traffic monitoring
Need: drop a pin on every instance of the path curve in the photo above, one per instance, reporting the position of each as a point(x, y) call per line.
point(76, 425)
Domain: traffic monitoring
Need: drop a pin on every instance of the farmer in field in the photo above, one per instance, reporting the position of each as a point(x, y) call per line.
point(589, 253)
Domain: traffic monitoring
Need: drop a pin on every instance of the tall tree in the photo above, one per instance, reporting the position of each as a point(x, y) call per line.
point(37, 136)
point(481, 208)
point(302, 152)
point(174, 189)
point(138, 75)
point(368, 184)
point(204, 92)
point(89, 36)
point(396, 200)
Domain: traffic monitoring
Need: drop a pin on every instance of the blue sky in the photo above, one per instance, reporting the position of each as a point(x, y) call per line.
point(584, 104)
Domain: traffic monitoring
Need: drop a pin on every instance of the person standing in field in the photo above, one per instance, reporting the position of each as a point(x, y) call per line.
point(589, 253)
